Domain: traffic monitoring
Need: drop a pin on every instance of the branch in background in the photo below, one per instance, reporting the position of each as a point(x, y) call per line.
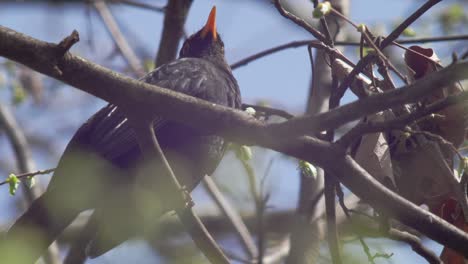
point(333, 238)
point(319, 45)
point(398, 30)
point(118, 37)
point(239, 127)
point(25, 163)
point(415, 244)
point(260, 200)
point(295, 44)
point(362, 64)
point(300, 22)
point(173, 30)
point(382, 57)
point(139, 5)
point(233, 217)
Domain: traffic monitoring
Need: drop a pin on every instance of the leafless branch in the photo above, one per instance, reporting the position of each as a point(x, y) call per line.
point(139, 5)
point(319, 45)
point(300, 22)
point(415, 244)
point(181, 198)
point(398, 30)
point(234, 218)
point(333, 238)
point(295, 44)
point(118, 37)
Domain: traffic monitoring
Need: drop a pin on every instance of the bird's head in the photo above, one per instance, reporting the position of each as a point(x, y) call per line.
point(206, 43)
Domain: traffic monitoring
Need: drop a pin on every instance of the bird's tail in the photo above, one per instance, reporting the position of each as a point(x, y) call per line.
point(36, 229)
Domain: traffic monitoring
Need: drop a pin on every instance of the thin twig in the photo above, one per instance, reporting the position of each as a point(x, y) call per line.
point(415, 244)
point(30, 174)
point(388, 40)
point(260, 205)
point(295, 44)
point(300, 22)
point(382, 56)
point(318, 45)
point(119, 39)
point(139, 5)
point(181, 198)
point(398, 30)
point(333, 240)
point(65, 45)
point(233, 216)
point(370, 257)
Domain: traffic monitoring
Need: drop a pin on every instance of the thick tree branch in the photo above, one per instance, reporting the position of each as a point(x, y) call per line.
point(242, 128)
point(375, 103)
point(401, 121)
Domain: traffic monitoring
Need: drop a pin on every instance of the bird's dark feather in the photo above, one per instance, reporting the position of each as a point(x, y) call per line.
point(110, 135)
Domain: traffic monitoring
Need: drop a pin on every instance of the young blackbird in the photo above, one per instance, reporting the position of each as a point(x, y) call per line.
point(98, 166)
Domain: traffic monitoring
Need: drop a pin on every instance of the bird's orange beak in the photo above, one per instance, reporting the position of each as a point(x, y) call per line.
point(210, 26)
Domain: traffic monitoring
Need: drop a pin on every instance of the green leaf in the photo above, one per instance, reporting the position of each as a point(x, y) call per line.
point(451, 16)
point(245, 153)
point(19, 94)
point(10, 66)
point(462, 166)
point(30, 181)
point(322, 10)
point(409, 32)
point(2, 80)
point(149, 65)
point(367, 50)
point(307, 169)
point(13, 182)
point(361, 28)
point(242, 152)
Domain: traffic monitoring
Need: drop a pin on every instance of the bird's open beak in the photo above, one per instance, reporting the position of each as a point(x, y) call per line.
point(210, 26)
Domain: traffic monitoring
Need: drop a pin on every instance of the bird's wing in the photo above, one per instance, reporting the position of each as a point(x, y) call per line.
point(108, 131)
